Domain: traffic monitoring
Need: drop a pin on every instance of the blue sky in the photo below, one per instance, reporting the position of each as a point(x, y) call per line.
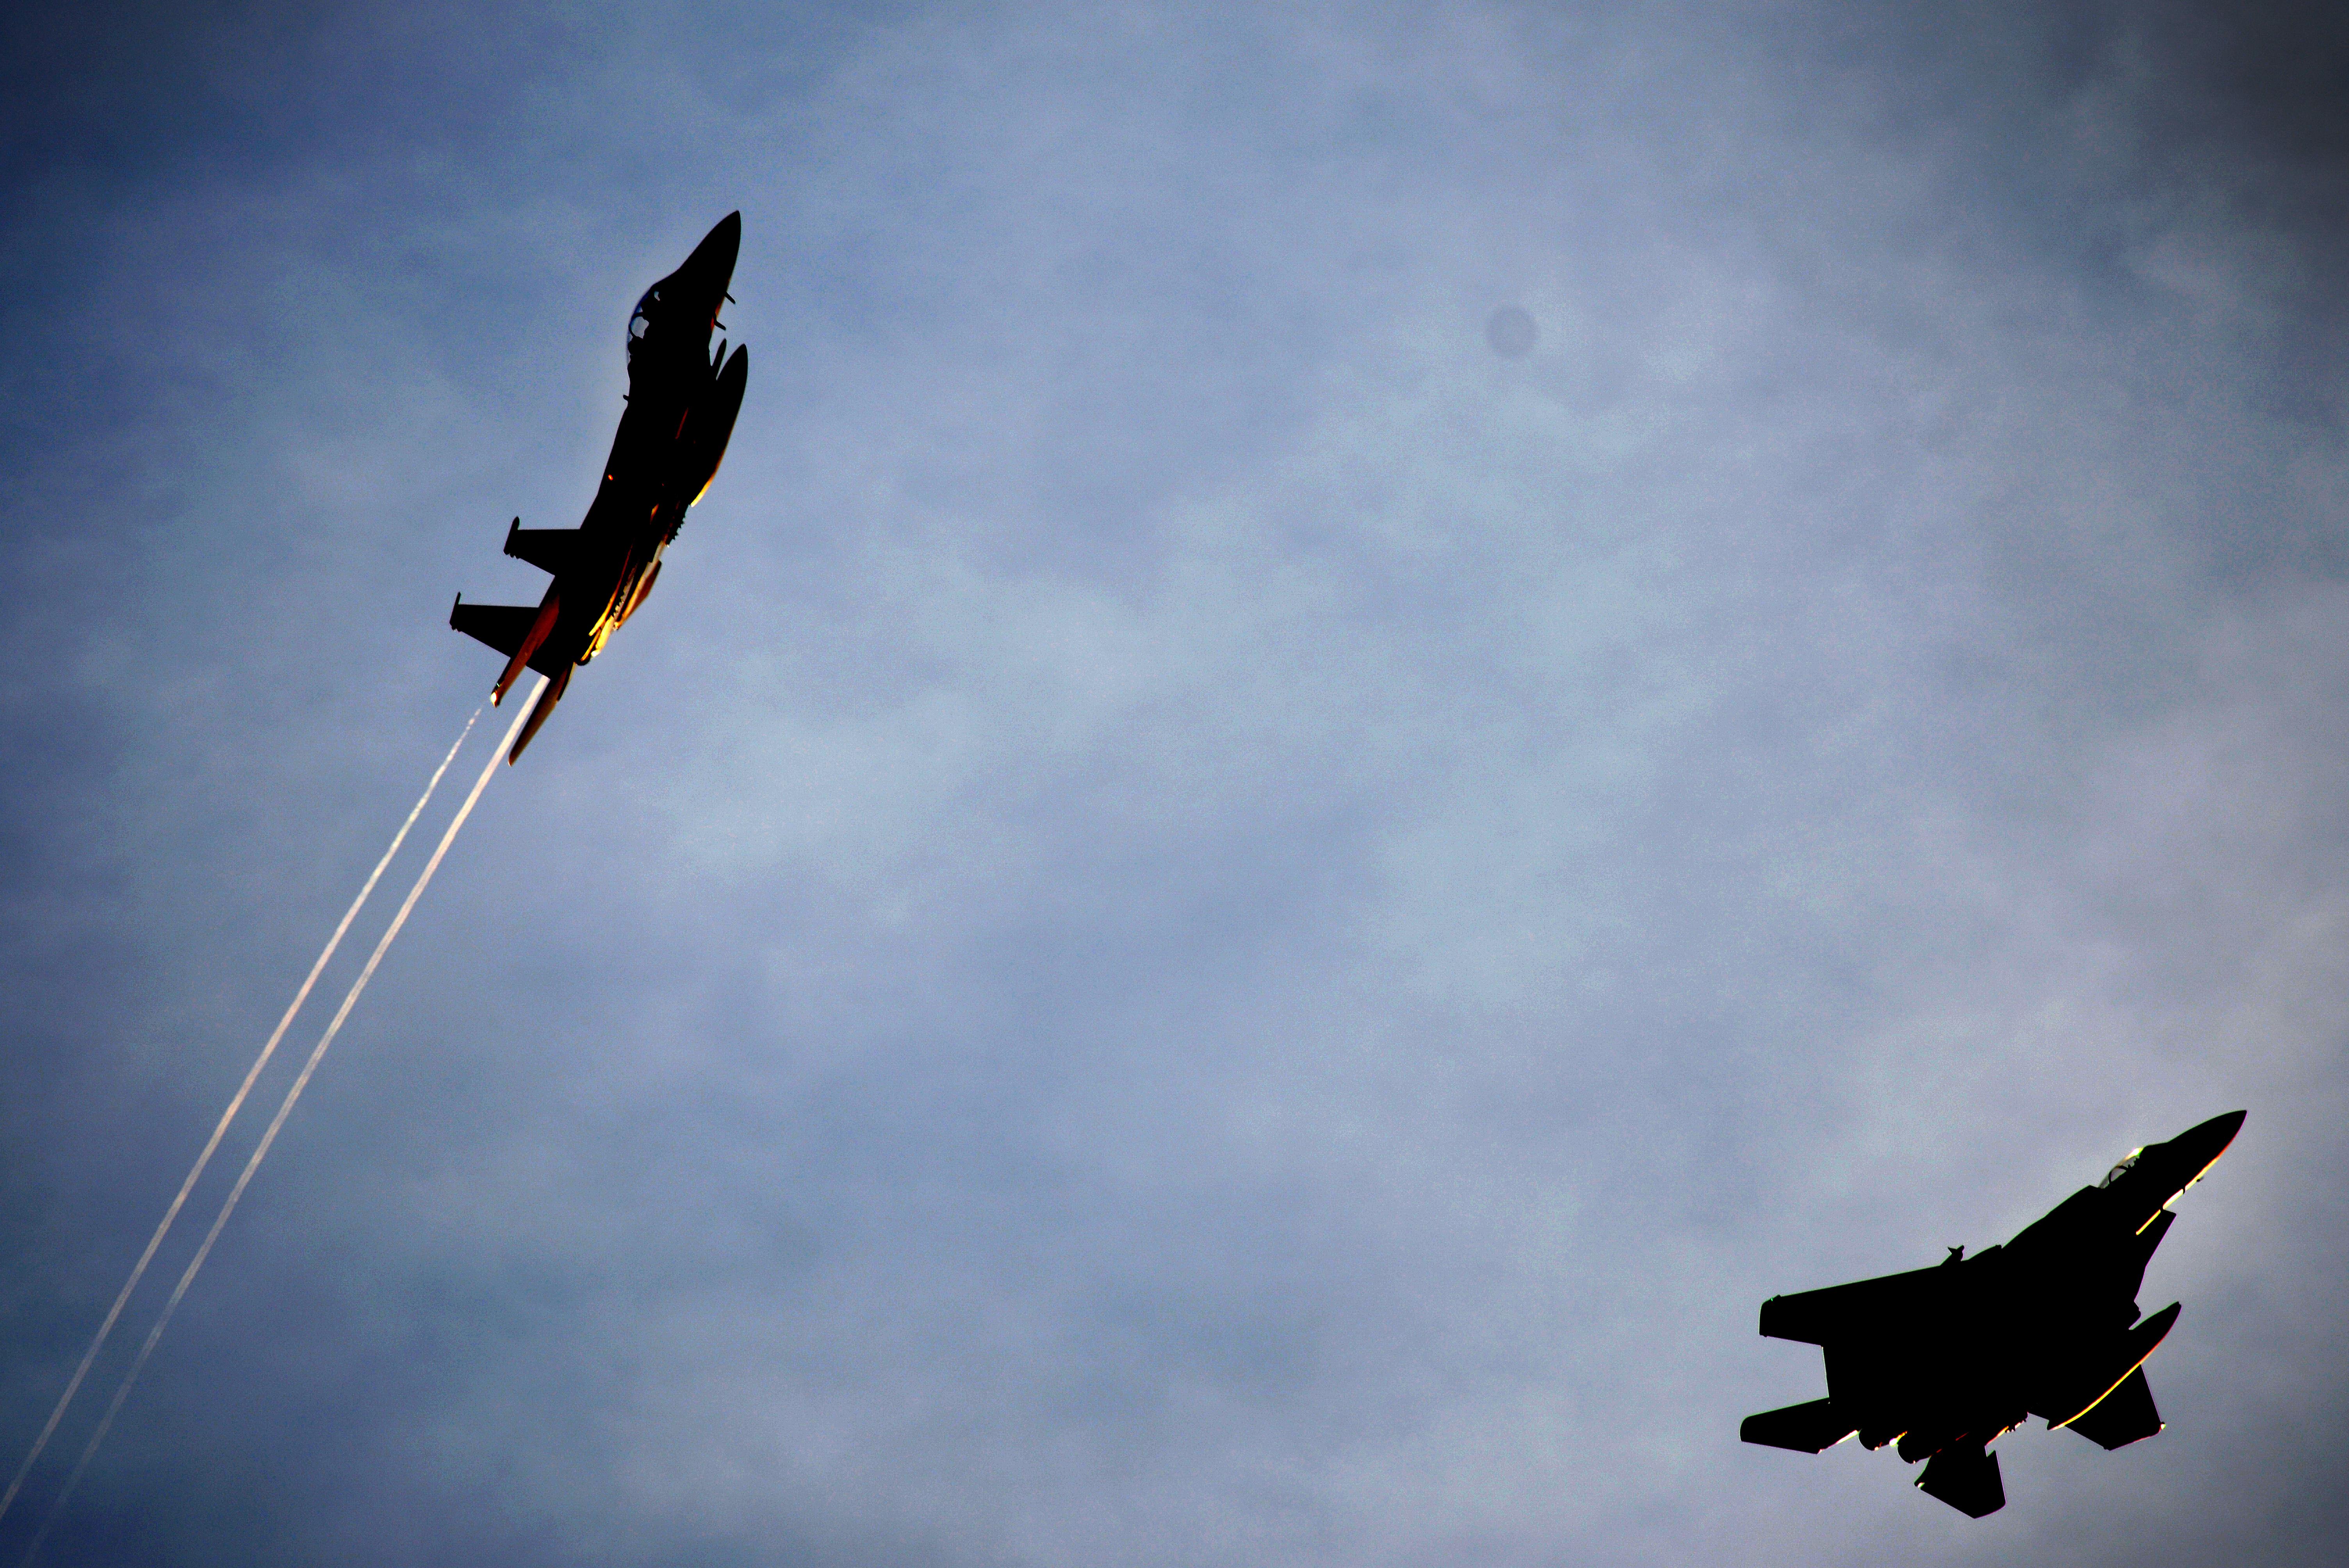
point(1206, 923)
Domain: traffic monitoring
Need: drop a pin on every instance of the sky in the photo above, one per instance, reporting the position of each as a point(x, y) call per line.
point(1382, 708)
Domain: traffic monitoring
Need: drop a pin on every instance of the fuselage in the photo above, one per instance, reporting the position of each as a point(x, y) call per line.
point(2015, 1330)
point(676, 421)
point(657, 466)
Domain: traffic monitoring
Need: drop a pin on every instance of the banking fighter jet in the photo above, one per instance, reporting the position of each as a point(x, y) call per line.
point(681, 403)
point(1942, 1361)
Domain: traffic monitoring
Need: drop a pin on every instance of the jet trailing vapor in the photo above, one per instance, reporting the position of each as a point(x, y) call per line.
point(1942, 1361)
point(681, 403)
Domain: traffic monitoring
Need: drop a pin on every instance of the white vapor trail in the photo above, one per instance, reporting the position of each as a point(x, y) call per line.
point(284, 1109)
point(235, 1104)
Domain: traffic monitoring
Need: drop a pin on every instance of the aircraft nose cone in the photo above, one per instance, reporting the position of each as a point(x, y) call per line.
point(2193, 1151)
point(718, 247)
point(2210, 1137)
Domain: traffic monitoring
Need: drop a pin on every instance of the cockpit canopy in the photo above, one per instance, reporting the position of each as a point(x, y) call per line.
point(641, 322)
point(2121, 1169)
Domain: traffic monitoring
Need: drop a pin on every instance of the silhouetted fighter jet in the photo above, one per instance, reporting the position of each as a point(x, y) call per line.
point(681, 403)
point(1944, 1360)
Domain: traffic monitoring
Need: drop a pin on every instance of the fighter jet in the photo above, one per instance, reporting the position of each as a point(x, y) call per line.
point(1943, 1361)
point(681, 403)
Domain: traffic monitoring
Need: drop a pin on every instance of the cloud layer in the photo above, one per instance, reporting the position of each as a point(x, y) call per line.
point(1207, 924)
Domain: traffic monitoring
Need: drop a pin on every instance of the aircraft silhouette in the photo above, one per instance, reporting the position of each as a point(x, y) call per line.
point(1943, 1361)
point(681, 404)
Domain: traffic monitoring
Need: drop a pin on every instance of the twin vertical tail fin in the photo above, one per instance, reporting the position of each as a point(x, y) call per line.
point(531, 640)
point(1966, 1479)
point(518, 631)
point(538, 714)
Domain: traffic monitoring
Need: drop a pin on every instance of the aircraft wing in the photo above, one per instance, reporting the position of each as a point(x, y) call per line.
point(502, 627)
point(1816, 1317)
point(2122, 1417)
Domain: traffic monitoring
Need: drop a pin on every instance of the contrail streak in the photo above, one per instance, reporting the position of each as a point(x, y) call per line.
point(235, 1104)
point(285, 1109)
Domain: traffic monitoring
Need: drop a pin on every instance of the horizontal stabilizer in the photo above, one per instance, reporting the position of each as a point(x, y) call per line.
point(548, 548)
point(504, 628)
point(1966, 1479)
point(1805, 1428)
point(2123, 1417)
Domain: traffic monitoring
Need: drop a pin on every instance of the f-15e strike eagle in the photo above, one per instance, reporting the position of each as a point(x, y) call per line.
point(1942, 1361)
point(681, 403)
